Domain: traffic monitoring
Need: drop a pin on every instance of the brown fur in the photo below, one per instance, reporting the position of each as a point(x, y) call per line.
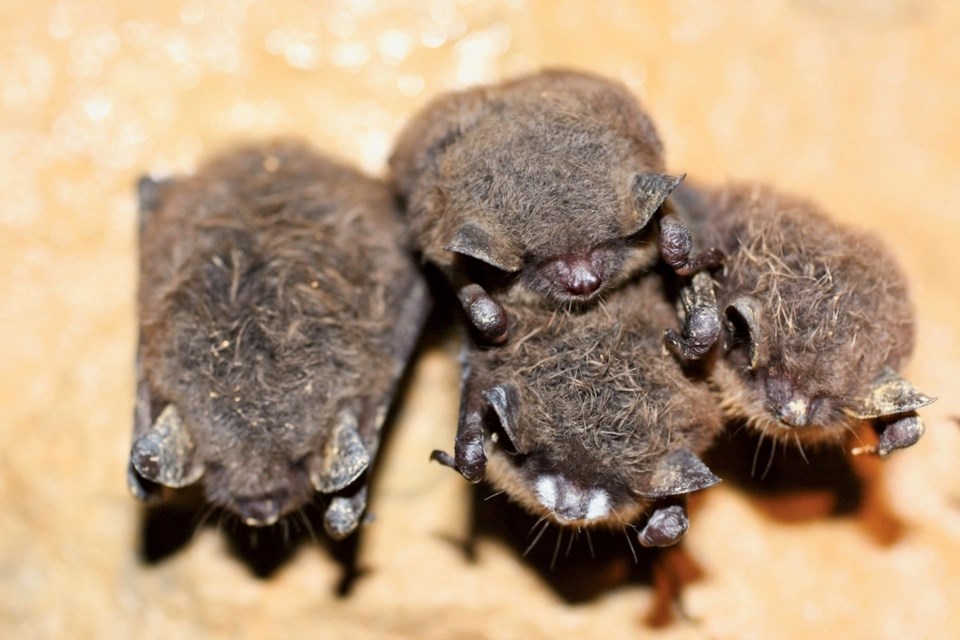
point(544, 165)
point(269, 294)
point(600, 401)
point(834, 308)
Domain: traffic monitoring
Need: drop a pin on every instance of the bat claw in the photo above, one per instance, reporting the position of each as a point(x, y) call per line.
point(700, 333)
point(676, 248)
point(900, 434)
point(666, 527)
point(443, 458)
point(472, 470)
point(486, 315)
point(701, 326)
point(344, 513)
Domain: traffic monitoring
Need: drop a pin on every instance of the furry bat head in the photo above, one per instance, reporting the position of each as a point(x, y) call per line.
point(548, 182)
point(583, 417)
point(277, 308)
point(817, 319)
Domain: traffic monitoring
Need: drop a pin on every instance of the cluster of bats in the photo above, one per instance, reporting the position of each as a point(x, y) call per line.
point(618, 317)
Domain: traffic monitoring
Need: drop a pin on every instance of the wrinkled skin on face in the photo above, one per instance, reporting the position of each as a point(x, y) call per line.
point(817, 318)
point(584, 418)
point(543, 189)
point(277, 308)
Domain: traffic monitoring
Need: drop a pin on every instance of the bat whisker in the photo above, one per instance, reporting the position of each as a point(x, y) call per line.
point(633, 551)
point(546, 524)
point(756, 455)
point(306, 523)
point(536, 524)
point(556, 548)
point(202, 520)
point(803, 454)
point(773, 453)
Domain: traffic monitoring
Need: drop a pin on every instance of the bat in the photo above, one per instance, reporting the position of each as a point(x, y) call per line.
point(278, 306)
point(584, 418)
point(816, 316)
point(549, 188)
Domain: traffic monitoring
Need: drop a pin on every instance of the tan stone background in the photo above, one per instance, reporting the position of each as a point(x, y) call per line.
point(854, 102)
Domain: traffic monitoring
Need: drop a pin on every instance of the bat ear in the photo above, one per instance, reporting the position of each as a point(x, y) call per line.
point(473, 240)
point(344, 457)
point(650, 191)
point(165, 454)
point(678, 473)
point(743, 327)
point(891, 395)
point(150, 193)
point(505, 401)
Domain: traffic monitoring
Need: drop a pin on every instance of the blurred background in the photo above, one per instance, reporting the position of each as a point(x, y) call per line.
point(854, 103)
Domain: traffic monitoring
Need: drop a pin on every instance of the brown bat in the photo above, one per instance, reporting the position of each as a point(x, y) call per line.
point(817, 320)
point(278, 307)
point(585, 419)
point(547, 187)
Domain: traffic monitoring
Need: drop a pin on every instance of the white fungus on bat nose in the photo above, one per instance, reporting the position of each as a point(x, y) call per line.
point(569, 502)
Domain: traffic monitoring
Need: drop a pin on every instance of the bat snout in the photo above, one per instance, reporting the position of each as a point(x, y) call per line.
point(570, 502)
point(261, 510)
point(791, 406)
point(577, 276)
point(795, 412)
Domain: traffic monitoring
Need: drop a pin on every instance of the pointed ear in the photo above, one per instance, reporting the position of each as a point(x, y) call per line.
point(150, 193)
point(650, 191)
point(474, 241)
point(505, 401)
point(166, 453)
point(743, 325)
point(677, 473)
point(891, 395)
point(344, 456)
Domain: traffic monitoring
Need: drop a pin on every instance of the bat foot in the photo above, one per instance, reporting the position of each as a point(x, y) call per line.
point(486, 315)
point(700, 320)
point(443, 458)
point(700, 332)
point(900, 434)
point(344, 514)
point(676, 248)
point(471, 469)
point(141, 488)
point(665, 528)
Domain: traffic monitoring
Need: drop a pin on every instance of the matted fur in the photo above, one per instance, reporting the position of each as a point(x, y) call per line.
point(544, 165)
point(270, 283)
point(600, 400)
point(834, 308)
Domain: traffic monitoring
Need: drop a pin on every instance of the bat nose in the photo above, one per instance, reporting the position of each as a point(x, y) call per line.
point(578, 276)
point(583, 280)
point(261, 510)
point(795, 413)
point(570, 502)
point(791, 406)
